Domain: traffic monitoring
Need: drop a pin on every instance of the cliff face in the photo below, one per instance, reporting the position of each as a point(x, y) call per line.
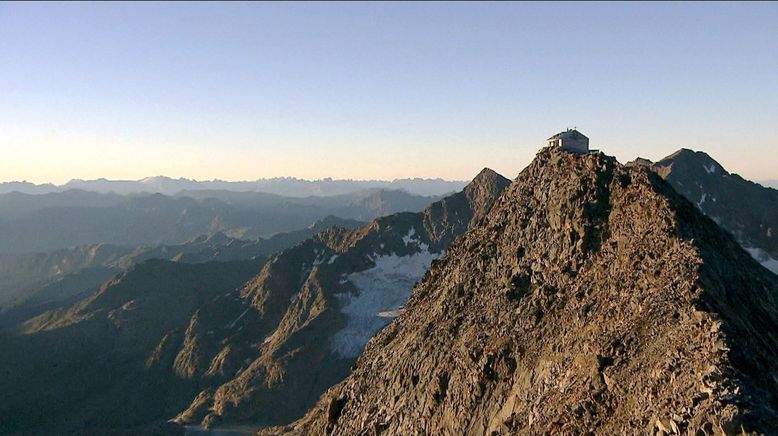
point(308, 315)
point(591, 298)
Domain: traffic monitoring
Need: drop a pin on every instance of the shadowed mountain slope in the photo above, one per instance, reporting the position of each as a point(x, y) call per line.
point(746, 209)
point(104, 363)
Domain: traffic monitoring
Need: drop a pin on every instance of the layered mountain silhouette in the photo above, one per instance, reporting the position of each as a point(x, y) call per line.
point(166, 336)
point(285, 186)
point(591, 299)
point(48, 222)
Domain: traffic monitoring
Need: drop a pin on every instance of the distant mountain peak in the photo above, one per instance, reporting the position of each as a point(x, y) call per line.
point(486, 175)
point(745, 209)
point(689, 159)
point(487, 179)
point(484, 189)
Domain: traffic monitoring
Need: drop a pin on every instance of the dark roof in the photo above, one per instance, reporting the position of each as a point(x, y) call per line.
point(568, 133)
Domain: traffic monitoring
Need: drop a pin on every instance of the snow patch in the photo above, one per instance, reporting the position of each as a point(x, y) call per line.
point(382, 289)
point(709, 169)
point(319, 259)
point(410, 236)
point(765, 259)
point(332, 259)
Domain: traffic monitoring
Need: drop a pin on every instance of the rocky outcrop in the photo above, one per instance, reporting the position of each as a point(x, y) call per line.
point(314, 306)
point(592, 298)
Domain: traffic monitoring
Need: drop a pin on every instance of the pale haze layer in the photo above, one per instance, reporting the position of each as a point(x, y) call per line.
point(377, 91)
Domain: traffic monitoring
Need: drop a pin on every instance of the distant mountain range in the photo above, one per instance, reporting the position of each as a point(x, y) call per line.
point(154, 336)
point(285, 186)
point(45, 222)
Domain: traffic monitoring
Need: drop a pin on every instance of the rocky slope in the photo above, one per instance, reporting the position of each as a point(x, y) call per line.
point(591, 299)
point(746, 209)
point(40, 280)
point(105, 363)
point(313, 307)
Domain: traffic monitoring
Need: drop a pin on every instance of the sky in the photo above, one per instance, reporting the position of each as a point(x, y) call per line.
point(241, 91)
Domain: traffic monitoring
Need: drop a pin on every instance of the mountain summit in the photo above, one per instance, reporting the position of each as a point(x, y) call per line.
point(591, 298)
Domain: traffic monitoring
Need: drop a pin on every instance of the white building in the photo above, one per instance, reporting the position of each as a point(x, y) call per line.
point(571, 140)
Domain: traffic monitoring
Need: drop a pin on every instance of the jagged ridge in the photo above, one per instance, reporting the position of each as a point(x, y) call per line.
point(592, 298)
point(310, 318)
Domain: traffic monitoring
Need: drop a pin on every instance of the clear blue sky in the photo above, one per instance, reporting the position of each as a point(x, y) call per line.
point(243, 91)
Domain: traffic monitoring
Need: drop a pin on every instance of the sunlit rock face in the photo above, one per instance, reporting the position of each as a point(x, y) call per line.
point(316, 306)
point(592, 298)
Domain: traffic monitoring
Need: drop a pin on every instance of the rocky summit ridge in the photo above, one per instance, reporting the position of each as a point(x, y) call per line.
point(591, 298)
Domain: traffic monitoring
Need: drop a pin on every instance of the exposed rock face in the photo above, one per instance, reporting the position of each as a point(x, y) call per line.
point(746, 209)
point(314, 306)
point(591, 298)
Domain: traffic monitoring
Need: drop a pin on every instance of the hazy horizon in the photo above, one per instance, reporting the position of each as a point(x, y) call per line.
point(766, 182)
point(233, 181)
point(377, 91)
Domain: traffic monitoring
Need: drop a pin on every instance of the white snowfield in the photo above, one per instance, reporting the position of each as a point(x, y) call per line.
point(762, 257)
point(381, 292)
